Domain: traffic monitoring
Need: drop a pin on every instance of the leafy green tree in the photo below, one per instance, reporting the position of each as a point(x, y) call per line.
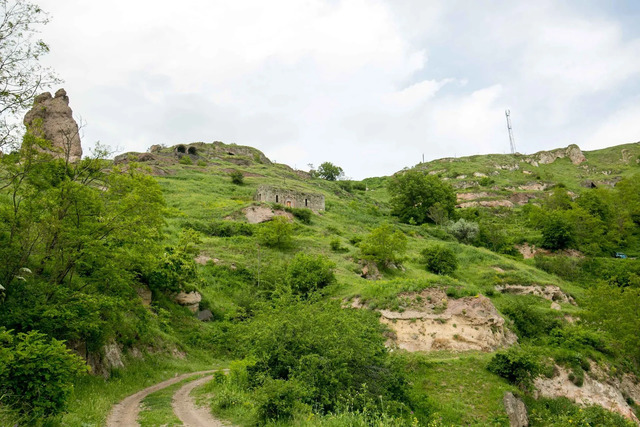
point(439, 259)
point(335, 359)
point(21, 74)
point(277, 233)
point(463, 230)
point(557, 231)
point(384, 246)
point(413, 193)
point(36, 373)
point(329, 171)
point(308, 273)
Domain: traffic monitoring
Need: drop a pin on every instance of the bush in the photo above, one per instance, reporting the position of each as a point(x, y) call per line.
point(336, 353)
point(280, 400)
point(557, 231)
point(439, 259)
point(185, 160)
point(463, 230)
point(530, 322)
point(336, 245)
point(36, 374)
point(515, 365)
point(277, 233)
point(237, 177)
point(308, 273)
point(304, 215)
point(413, 193)
point(384, 246)
point(220, 228)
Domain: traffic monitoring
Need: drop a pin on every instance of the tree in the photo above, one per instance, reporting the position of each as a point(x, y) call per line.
point(21, 74)
point(413, 193)
point(557, 231)
point(439, 259)
point(329, 171)
point(308, 273)
point(384, 246)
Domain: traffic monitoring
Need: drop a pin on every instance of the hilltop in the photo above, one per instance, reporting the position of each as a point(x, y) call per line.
point(238, 264)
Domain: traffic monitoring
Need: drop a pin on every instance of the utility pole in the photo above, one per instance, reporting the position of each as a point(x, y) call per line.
point(512, 141)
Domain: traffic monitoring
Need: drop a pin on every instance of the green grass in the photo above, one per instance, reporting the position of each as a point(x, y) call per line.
point(94, 396)
point(156, 409)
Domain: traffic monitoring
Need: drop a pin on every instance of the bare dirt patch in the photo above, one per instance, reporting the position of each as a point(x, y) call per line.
point(548, 292)
point(436, 322)
point(258, 214)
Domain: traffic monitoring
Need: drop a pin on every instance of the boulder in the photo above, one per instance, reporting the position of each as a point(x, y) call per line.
point(516, 410)
point(191, 300)
point(205, 315)
point(51, 118)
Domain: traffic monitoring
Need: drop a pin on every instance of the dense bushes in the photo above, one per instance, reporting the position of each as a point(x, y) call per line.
point(220, 228)
point(322, 356)
point(36, 373)
point(413, 193)
point(439, 259)
point(529, 321)
point(384, 246)
point(516, 365)
point(308, 273)
point(304, 215)
point(277, 233)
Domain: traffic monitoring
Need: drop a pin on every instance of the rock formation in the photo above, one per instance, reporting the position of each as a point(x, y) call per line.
point(516, 410)
point(51, 118)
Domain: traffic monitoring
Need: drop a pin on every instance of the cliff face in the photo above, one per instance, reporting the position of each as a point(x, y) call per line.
point(573, 152)
point(51, 118)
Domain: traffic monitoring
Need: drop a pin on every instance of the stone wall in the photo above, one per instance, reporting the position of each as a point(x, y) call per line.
point(290, 198)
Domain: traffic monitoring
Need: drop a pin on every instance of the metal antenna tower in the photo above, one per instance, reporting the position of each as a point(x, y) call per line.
point(512, 141)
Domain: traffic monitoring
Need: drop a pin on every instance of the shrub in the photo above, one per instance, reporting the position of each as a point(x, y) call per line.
point(202, 163)
point(413, 193)
point(36, 374)
point(336, 245)
point(463, 230)
point(516, 366)
point(279, 400)
point(530, 322)
point(439, 259)
point(557, 231)
point(237, 177)
point(384, 246)
point(304, 215)
point(277, 233)
point(308, 273)
point(220, 228)
point(185, 160)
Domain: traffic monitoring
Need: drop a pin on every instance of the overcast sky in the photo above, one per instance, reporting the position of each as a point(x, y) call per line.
point(370, 85)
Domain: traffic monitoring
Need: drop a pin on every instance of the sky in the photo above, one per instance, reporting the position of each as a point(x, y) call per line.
point(369, 85)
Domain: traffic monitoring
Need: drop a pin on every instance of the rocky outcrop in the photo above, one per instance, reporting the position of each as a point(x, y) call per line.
point(109, 358)
point(597, 389)
point(487, 204)
point(432, 322)
point(51, 118)
point(191, 300)
point(548, 292)
point(516, 410)
point(573, 152)
point(259, 214)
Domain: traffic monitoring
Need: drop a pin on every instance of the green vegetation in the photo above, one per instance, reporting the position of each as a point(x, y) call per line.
point(86, 237)
point(329, 171)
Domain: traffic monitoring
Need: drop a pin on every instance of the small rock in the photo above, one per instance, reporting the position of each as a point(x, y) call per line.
point(205, 315)
point(555, 306)
point(516, 410)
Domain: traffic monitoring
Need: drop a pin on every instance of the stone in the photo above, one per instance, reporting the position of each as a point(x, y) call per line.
point(556, 306)
point(145, 295)
point(191, 300)
point(290, 198)
point(51, 118)
point(205, 315)
point(516, 410)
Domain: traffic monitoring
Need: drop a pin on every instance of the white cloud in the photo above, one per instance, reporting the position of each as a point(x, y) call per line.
point(345, 80)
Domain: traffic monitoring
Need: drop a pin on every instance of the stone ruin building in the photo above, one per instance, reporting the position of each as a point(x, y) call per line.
point(290, 198)
point(51, 118)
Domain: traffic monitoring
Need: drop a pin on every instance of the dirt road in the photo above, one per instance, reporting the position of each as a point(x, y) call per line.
point(125, 413)
point(186, 410)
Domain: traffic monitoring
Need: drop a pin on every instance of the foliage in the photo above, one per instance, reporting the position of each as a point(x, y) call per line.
point(562, 412)
point(176, 268)
point(280, 400)
point(329, 171)
point(383, 246)
point(237, 178)
point(21, 75)
point(557, 231)
point(308, 273)
point(616, 310)
point(529, 321)
point(185, 160)
point(413, 193)
point(220, 228)
point(439, 259)
point(277, 233)
point(36, 373)
point(517, 365)
point(303, 214)
point(334, 357)
point(463, 230)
